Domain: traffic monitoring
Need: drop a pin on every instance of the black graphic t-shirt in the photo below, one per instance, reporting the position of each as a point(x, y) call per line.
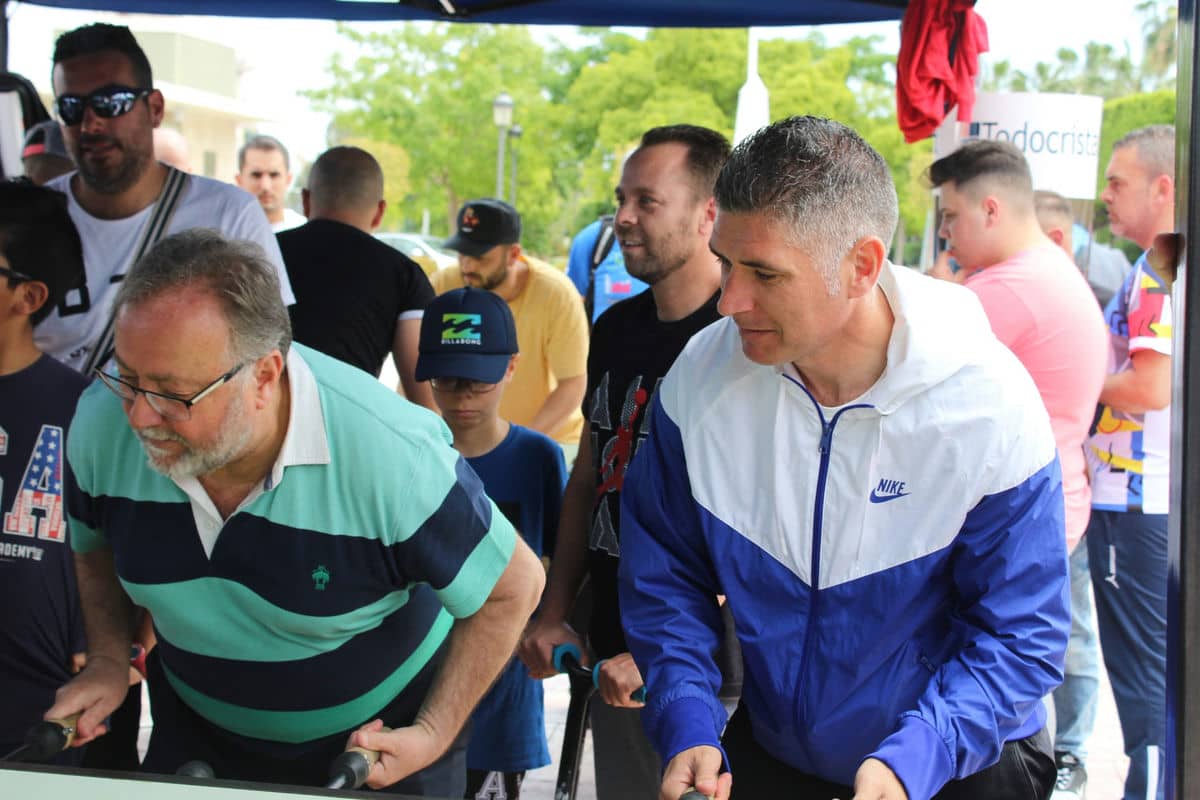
point(41, 625)
point(631, 352)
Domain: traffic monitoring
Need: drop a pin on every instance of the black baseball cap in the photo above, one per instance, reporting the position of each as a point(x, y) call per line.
point(482, 224)
point(466, 333)
point(45, 139)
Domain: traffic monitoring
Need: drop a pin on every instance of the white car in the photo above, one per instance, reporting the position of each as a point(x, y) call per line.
point(425, 250)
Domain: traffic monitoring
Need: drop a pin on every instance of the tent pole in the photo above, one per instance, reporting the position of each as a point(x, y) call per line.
point(1183, 574)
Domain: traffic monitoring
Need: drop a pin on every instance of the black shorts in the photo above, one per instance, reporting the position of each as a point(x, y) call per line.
point(1025, 771)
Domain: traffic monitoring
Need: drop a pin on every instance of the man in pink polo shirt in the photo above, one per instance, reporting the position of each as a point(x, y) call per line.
point(1041, 307)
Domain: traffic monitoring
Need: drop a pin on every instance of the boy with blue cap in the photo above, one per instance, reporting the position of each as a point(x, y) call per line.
point(468, 351)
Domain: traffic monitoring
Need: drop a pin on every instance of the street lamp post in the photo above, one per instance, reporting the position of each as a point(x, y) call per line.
point(502, 114)
point(514, 133)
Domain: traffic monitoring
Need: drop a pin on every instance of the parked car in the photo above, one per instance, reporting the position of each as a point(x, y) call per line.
point(425, 250)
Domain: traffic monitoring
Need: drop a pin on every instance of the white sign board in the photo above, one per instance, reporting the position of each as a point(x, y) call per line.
point(1058, 133)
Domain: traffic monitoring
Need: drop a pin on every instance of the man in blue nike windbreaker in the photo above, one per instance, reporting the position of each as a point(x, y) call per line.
point(869, 476)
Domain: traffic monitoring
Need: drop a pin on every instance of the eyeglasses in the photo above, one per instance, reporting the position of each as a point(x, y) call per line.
point(12, 274)
point(461, 385)
point(167, 406)
point(106, 102)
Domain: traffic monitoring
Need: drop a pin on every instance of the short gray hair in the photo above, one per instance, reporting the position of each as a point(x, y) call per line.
point(1155, 146)
point(817, 177)
point(236, 272)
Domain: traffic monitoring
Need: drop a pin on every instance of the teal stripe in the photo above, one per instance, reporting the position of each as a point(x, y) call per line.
point(475, 580)
point(106, 457)
point(83, 538)
point(294, 727)
point(223, 619)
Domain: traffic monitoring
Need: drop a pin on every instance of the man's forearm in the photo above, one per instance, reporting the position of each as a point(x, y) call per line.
point(559, 405)
point(481, 645)
point(569, 562)
point(1126, 392)
point(107, 611)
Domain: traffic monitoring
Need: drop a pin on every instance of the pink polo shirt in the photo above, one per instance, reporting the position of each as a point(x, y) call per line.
point(1041, 307)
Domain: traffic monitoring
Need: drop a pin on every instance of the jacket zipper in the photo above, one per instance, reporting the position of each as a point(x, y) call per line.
point(824, 446)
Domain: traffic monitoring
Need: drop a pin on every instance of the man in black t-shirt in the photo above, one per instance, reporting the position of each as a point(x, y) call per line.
point(664, 218)
point(357, 299)
point(41, 630)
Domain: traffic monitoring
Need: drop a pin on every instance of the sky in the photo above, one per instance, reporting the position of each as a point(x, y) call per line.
point(282, 57)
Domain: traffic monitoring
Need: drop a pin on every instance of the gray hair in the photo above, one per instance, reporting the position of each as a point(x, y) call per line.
point(817, 177)
point(1155, 146)
point(236, 272)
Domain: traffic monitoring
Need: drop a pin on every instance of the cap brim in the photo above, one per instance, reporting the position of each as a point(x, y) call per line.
point(488, 368)
point(461, 244)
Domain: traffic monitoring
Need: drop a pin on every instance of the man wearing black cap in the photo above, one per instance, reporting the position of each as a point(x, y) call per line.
point(550, 379)
point(468, 354)
point(41, 630)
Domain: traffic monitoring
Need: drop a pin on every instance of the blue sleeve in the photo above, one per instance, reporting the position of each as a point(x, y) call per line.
point(554, 483)
point(579, 263)
point(1009, 565)
point(668, 592)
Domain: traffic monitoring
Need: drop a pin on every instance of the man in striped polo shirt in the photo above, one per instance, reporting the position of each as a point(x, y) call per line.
point(318, 560)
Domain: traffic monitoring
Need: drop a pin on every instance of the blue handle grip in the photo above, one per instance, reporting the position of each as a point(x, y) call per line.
point(639, 694)
point(565, 649)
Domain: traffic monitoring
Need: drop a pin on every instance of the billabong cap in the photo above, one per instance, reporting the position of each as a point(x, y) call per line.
point(46, 139)
point(483, 224)
point(466, 333)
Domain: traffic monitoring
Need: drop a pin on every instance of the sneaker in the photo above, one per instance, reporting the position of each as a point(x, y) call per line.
point(1072, 778)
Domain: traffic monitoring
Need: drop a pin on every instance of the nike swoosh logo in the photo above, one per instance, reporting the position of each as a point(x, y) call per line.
point(883, 498)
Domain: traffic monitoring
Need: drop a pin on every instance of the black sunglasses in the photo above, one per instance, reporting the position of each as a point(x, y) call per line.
point(106, 102)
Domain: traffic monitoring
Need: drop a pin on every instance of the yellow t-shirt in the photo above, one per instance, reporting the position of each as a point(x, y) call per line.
point(552, 335)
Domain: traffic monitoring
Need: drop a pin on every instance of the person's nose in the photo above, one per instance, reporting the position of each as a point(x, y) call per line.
point(141, 414)
point(734, 297)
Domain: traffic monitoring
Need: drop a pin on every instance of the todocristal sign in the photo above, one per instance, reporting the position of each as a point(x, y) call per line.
point(1058, 133)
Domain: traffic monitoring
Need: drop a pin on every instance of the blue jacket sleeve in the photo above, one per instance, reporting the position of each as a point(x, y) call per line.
point(668, 591)
point(1009, 565)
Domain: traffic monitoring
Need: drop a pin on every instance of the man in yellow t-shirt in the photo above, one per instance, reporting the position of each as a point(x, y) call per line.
point(551, 376)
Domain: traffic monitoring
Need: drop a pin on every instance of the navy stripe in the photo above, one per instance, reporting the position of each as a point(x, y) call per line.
point(359, 665)
point(429, 552)
point(152, 542)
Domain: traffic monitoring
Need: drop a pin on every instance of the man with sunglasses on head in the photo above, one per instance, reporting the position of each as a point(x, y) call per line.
point(318, 560)
point(120, 198)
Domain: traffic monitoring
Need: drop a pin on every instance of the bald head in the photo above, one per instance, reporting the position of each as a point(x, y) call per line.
point(1056, 218)
point(346, 184)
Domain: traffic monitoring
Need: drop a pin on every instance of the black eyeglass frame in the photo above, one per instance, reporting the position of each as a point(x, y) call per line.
point(104, 103)
point(13, 275)
point(114, 383)
point(446, 383)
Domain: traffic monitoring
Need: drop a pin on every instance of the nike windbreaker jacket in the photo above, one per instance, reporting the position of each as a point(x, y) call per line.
point(896, 567)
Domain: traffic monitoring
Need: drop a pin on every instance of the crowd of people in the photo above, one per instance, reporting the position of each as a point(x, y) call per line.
point(842, 521)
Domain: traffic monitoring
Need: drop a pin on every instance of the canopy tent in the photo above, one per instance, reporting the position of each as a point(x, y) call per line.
point(651, 13)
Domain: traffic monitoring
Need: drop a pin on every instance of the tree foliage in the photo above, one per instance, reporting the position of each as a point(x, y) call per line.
point(1102, 69)
point(427, 90)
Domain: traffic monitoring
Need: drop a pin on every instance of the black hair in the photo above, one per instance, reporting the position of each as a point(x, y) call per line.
point(100, 37)
point(39, 239)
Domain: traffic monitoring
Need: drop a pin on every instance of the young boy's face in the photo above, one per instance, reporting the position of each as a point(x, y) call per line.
point(466, 404)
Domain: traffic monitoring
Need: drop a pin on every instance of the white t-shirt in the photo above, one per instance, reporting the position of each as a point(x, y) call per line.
point(291, 219)
point(108, 246)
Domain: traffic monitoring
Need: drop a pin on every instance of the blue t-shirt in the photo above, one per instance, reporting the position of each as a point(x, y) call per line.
point(525, 476)
point(41, 626)
point(613, 283)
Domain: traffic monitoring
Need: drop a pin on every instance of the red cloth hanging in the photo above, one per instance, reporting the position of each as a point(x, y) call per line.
point(928, 85)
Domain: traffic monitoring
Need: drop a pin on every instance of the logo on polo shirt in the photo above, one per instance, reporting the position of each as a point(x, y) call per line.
point(460, 328)
point(320, 577)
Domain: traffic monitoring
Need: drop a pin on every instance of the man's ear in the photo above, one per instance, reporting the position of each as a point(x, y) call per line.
point(306, 203)
point(1056, 235)
point(866, 257)
point(29, 297)
point(268, 372)
point(379, 212)
point(157, 106)
point(991, 208)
